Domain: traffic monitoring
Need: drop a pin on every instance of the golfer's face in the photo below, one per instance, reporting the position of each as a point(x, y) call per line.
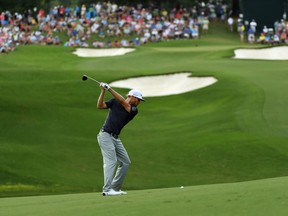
point(135, 101)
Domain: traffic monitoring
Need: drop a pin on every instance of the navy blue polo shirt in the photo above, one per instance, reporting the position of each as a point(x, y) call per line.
point(118, 117)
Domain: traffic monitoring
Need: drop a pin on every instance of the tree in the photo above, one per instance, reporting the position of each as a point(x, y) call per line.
point(22, 5)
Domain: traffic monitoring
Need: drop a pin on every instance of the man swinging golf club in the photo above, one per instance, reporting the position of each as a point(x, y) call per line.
point(121, 111)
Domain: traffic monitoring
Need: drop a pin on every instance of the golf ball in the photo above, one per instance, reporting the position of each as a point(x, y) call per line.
point(181, 187)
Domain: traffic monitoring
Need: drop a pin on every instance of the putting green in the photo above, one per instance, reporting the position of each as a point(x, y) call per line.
point(256, 198)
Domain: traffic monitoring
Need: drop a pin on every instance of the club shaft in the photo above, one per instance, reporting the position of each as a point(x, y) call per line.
point(93, 79)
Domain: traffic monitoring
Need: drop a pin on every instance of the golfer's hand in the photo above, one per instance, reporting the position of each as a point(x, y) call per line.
point(105, 86)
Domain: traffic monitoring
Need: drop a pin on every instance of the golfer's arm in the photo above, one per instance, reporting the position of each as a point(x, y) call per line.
point(120, 99)
point(100, 103)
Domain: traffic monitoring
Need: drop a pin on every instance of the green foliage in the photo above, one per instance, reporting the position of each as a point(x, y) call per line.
point(21, 5)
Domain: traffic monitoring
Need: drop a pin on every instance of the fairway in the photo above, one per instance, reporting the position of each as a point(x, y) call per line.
point(255, 198)
point(207, 140)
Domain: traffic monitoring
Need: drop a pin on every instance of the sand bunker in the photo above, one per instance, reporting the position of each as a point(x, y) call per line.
point(164, 85)
point(151, 86)
point(274, 53)
point(86, 52)
point(178, 83)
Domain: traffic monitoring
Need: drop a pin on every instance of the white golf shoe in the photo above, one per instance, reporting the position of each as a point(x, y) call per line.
point(123, 192)
point(112, 192)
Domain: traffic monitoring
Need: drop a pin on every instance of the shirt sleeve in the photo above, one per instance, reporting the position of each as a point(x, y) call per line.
point(110, 102)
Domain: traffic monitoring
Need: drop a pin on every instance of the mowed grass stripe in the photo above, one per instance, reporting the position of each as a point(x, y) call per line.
point(255, 198)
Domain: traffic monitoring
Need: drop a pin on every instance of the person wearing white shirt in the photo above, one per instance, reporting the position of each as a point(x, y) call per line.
point(230, 23)
point(253, 25)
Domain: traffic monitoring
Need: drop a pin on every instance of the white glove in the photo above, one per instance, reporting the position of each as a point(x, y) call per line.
point(105, 86)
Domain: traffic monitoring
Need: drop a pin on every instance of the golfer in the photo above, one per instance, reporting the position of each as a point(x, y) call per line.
point(121, 111)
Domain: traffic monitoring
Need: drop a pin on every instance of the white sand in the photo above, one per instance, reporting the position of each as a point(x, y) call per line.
point(274, 53)
point(164, 85)
point(178, 83)
point(151, 85)
point(87, 52)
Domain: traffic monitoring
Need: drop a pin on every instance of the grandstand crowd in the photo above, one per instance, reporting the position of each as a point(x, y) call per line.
point(272, 35)
point(106, 25)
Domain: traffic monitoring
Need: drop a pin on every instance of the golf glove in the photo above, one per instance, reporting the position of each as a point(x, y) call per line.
point(105, 86)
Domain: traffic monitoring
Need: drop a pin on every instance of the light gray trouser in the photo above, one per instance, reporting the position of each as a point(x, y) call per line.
point(114, 154)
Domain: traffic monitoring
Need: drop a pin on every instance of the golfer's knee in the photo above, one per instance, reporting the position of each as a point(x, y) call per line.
point(126, 163)
point(110, 163)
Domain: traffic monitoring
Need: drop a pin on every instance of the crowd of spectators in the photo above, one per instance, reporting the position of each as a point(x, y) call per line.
point(277, 34)
point(19, 29)
point(107, 24)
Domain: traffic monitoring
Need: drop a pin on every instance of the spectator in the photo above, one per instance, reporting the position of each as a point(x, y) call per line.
point(253, 25)
point(83, 11)
point(268, 39)
point(276, 39)
point(265, 30)
point(261, 39)
point(230, 22)
point(251, 35)
point(240, 23)
point(205, 25)
point(242, 32)
point(283, 36)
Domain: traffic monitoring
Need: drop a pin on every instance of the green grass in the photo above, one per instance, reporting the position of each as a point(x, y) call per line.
point(232, 131)
point(256, 198)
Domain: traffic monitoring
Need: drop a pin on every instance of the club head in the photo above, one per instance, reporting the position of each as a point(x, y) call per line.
point(84, 77)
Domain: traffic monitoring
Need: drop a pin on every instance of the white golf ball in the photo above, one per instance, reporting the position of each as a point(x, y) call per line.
point(181, 187)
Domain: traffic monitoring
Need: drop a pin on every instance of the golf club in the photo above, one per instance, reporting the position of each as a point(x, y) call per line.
point(85, 77)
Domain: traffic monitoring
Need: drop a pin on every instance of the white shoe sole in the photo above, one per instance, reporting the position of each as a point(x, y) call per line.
point(114, 194)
